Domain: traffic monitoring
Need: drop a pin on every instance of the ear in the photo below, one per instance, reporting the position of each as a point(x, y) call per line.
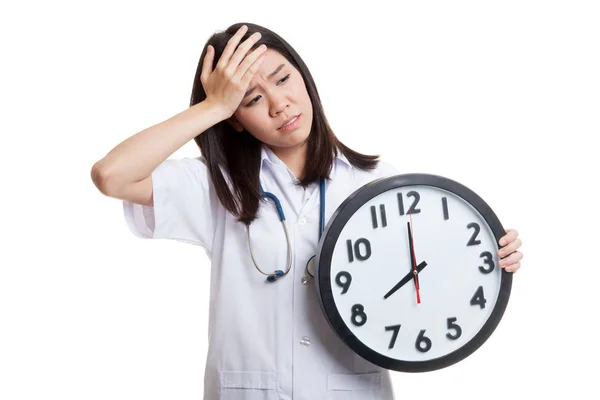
point(233, 121)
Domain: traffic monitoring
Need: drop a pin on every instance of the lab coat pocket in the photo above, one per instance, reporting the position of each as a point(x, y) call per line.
point(248, 385)
point(354, 386)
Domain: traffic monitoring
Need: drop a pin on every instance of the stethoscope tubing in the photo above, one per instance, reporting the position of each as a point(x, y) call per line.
point(277, 274)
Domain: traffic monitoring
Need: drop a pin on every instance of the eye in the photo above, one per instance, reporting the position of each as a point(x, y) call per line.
point(254, 100)
point(284, 78)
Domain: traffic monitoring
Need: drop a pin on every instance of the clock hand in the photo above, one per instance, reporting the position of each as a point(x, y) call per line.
point(413, 260)
point(405, 280)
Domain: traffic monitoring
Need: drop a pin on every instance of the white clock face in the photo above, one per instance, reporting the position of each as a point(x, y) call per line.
point(459, 278)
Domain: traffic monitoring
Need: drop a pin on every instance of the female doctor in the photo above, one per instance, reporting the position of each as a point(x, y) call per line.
point(267, 152)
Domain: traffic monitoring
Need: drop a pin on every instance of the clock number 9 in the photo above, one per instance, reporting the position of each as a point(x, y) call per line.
point(487, 260)
point(423, 343)
point(358, 312)
point(345, 284)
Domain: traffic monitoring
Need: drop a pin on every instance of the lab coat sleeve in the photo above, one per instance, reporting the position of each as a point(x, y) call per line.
point(185, 204)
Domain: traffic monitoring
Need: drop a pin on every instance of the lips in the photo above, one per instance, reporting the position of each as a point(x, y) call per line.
point(288, 120)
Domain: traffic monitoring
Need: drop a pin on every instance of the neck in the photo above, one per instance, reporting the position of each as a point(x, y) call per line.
point(293, 157)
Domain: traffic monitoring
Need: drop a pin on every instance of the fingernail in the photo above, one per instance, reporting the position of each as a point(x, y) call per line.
point(502, 242)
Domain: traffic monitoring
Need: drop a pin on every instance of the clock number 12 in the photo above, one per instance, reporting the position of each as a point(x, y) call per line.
point(412, 209)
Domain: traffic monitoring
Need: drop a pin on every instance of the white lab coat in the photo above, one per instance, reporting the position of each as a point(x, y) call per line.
point(266, 340)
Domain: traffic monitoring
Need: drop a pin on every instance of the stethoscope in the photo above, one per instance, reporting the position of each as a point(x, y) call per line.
point(309, 270)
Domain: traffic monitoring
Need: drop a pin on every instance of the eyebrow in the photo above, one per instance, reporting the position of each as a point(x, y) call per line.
point(268, 77)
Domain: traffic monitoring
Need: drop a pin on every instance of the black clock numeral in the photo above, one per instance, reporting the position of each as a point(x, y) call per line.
point(473, 241)
point(374, 216)
point(396, 329)
point(344, 284)
point(488, 259)
point(423, 343)
point(412, 209)
point(445, 208)
point(358, 315)
point(453, 325)
point(356, 250)
point(478, 298)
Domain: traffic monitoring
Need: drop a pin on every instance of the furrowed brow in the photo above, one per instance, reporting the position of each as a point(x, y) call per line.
point(272, 74)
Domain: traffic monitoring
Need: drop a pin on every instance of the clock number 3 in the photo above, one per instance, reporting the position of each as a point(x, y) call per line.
point(487, 260)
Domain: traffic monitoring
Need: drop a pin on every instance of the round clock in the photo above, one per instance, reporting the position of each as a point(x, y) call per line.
point(407, 272)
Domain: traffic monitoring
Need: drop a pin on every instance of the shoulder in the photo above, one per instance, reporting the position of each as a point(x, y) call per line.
point(384, 169)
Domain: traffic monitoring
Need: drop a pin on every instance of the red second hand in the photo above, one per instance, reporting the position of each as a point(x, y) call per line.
point(415, 261)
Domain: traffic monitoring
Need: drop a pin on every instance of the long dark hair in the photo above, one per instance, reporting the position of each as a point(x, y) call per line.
point(239, 153)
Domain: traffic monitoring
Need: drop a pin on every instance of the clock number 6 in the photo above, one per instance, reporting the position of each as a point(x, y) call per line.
point(423, 343)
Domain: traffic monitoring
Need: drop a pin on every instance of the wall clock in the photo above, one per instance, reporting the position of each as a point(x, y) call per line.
point(407, 272)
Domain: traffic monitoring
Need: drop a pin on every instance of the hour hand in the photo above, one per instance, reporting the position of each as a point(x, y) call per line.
point(405, 280)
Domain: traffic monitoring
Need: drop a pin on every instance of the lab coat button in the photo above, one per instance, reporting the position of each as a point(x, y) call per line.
point(305, 341)
point(302, 221)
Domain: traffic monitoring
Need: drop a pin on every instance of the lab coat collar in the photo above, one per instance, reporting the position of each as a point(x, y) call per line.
point(267, 155)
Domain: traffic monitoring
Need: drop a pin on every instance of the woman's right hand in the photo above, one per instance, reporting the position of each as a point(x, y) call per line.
point(226, 86)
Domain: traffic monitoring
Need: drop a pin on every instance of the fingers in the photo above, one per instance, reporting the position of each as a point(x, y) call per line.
point(207, 64)
point(251, 64)
point(230, 47)
point(510, 243)
point(513, 267)
point(510, 235)
point(510, 248)
point(512, 262)
point(242, 51)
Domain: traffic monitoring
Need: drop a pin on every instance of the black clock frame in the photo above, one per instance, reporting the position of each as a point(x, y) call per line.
point(325, 253)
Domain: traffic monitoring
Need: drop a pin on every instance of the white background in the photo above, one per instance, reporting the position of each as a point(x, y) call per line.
point(503, 97)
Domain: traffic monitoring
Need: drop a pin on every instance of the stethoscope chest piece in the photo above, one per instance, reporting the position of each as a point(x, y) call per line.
point(309, 271)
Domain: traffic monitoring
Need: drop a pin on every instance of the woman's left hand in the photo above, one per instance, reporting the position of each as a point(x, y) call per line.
point(510, 243)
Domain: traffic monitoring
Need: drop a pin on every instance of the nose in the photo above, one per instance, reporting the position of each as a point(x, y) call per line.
point(278, 103)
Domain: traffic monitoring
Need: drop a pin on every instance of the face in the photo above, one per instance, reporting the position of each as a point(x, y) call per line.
point(274, 100)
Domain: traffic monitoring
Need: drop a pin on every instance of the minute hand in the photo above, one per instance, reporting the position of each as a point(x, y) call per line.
point(405, 280)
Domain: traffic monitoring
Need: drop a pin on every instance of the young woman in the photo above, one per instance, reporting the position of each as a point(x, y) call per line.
point(255, 113)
